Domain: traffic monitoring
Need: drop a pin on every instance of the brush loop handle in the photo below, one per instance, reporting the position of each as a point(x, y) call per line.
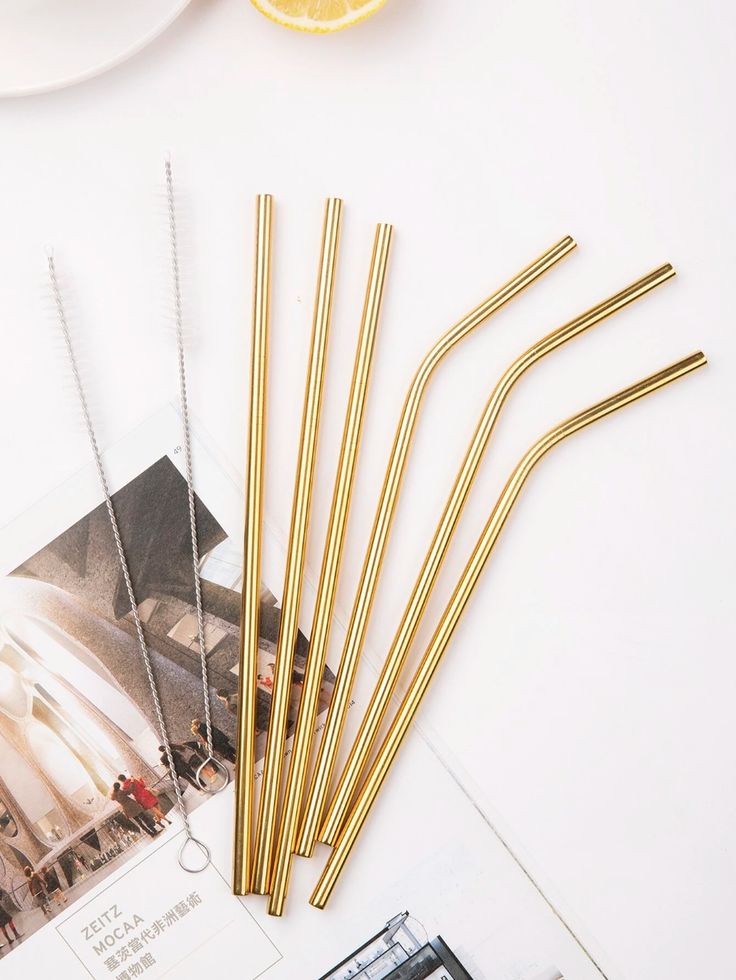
point(199, 862)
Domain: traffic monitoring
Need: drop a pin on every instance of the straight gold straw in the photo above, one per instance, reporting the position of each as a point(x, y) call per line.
point(330, 572)
point(252, 549)
point(386, 684)
point(454, 610)
point(355, 637)
point(296, 552)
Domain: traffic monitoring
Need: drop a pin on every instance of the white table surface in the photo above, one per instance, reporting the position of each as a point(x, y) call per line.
point(589, 693)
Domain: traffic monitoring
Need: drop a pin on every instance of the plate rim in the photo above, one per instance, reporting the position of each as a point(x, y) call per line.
point(67, 81)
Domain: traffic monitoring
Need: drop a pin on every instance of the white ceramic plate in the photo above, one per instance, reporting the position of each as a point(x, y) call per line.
point(47, 44)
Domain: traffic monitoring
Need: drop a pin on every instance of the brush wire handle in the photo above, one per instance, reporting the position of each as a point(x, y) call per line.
point(201, 851)
point(211, 762)
point(457, 604)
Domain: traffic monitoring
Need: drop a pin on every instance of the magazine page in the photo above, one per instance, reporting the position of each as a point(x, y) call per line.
point(89, 833)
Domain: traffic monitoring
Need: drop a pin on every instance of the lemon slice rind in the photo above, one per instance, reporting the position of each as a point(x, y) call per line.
point(309, 25)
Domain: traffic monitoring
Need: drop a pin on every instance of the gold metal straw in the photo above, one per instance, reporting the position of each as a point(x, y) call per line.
point(357, 626)
point(381, 698)
point(331, 561)
point(252, 549)
point(454, 610)
point(296, 553)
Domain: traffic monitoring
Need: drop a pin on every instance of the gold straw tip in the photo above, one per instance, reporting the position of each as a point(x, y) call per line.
point(699, 359)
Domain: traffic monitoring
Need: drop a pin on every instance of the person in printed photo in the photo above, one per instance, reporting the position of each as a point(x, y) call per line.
point(220, 742)
point(145, 797)
point(8, 908)
point(53, 886)
point(266, 680)
point(184, 769)
point(133, 811)
point(230, 701)
point(37, 889)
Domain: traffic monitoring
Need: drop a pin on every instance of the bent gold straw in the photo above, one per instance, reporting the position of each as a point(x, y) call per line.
point(363, 602)
point(250, 598)
point(386, 684)
point(296, 552)
point(331, 560)
point(454, 610)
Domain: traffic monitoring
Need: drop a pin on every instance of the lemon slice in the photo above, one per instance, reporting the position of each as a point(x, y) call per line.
point(318, 16)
